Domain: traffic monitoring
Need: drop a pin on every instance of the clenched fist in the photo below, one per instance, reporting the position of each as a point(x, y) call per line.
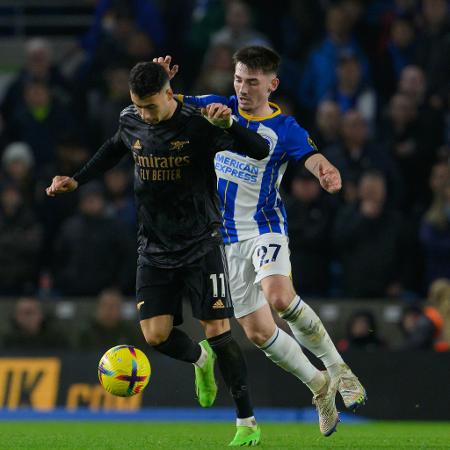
point(61, 185)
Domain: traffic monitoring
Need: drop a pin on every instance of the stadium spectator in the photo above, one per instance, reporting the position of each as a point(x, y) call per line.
point(328, 122)
point(39, 122)
point(105, 106)
point(39, 67)
point(119, 196)
point(407, 141)
point(350, 92)
point(206, 18)
point(438, 180)
point(433, 44)
point(238, 31)
point(216, 75)
point(32, 329)
point(108, 328)
point(139, 48)
point(358, 153)
point(71, 153)
point(362, 333)
point(438, 298)
point(398, 53)
point(418, 329)
point(93, 251)
point(17, 169)
point(435, 237)
point(310, 218)
point(368, 237)
point(110, 44)
point(20, 244)
point(319, 75)
point(122, 15)
point(413, 83)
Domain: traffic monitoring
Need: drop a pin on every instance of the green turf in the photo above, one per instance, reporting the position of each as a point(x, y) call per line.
point(163, 436)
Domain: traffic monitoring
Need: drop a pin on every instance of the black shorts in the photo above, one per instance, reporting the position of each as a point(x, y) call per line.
point(204, 282)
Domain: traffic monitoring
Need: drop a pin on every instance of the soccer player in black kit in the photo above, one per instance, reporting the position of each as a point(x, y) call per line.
point(180, 250)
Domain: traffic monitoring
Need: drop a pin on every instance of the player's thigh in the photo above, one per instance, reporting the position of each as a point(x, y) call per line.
point(259, 325)
point(207, 287)
point(271, 260)
point(246, 296)
point(271, 256)
point(158, 296)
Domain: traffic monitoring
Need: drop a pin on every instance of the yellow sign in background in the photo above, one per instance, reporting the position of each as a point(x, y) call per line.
point(29, 382)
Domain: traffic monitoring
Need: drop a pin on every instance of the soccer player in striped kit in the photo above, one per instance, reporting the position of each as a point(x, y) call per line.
point(255, 233)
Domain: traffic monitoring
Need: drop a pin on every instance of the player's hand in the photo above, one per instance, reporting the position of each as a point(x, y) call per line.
point(165, 62)
point(218, 114)
point(61, 185)
point(330, 178)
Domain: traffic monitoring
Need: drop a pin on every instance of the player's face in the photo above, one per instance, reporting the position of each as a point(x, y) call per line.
point(253, 87)
point(153, 108)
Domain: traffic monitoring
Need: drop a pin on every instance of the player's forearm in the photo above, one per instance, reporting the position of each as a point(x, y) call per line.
point(200, 101)
point(248, 142)
point(314, 161)
point(108, 155)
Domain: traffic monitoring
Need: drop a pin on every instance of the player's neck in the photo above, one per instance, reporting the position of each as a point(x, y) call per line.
point(261, 111)
point(172, 108)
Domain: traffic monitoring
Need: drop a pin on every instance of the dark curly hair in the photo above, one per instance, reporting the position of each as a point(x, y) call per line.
point(147, 78)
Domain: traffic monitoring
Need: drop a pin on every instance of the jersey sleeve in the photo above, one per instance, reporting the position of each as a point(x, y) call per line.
point(107, 156)
point(200, 101)
point(299, 145)
point(240, 140)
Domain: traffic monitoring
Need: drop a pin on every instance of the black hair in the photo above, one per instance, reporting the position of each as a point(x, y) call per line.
point(256, 57)
point(147, 78)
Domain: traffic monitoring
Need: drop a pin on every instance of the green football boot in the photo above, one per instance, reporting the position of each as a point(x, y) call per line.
point(246, 437)
point(205, 382)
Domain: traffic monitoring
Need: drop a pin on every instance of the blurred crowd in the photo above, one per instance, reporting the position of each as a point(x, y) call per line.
point(370, 80)
point(33, 325)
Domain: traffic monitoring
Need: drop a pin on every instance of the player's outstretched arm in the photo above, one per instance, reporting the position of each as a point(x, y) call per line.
point(108, 155)
point(328, 175)
point(244, 140)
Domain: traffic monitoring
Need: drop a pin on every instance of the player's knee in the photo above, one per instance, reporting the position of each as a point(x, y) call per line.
point(156, 337)
point(258, 335)
point(279, 300)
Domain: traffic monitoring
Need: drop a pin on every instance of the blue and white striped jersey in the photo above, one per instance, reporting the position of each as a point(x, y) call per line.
point(249, 190)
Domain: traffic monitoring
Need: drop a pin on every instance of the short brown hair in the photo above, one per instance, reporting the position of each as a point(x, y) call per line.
point(258, 58)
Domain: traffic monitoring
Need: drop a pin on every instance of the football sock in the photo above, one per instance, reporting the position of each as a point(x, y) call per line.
point(247, 422)
point(180, 346)
point(308, 329)
point(285, 352)
point(234, 371)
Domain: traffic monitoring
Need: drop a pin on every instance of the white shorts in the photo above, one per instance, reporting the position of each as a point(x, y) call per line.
point(249, 262)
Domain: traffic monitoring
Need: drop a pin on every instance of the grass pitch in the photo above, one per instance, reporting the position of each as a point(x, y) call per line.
point(185, 436)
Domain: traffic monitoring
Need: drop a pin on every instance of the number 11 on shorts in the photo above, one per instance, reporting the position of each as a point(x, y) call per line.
point(214, 278)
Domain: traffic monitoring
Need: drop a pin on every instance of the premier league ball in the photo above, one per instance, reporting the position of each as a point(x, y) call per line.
point(124, 370)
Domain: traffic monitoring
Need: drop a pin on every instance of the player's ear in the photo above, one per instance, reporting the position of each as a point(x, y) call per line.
point(169, 93)
point(275, 82)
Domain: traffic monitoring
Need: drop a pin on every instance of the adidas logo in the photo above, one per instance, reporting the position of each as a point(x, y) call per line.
point(218, 304)
point(137, 145)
